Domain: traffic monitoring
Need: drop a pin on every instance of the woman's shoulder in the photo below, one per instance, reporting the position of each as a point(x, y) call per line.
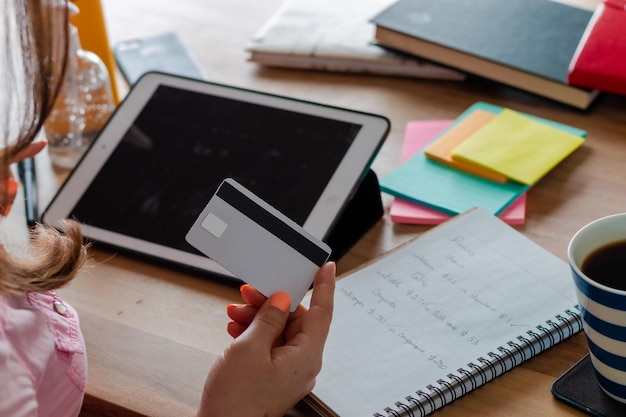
point(41, 342)
point(40, 318)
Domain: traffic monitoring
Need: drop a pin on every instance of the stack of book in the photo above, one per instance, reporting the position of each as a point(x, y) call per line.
point(565, 50)
point(556, 50)
point(327, 35)
point(488, 157)
point(527, 44)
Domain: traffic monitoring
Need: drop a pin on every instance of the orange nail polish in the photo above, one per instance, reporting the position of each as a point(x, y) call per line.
point(281, 301)
point(10, 191)
point(12, 186)
point(231, 328)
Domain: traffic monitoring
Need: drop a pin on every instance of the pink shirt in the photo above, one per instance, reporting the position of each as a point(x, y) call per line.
point(43, 367)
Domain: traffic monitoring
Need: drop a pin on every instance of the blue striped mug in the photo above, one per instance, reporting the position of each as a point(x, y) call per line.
point(602, 305)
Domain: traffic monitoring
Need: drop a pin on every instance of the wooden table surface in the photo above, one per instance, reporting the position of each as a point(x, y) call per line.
point(153, 331)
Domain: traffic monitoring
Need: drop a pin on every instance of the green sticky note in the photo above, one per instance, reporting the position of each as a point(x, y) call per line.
point(517, 146)
point(448, 190)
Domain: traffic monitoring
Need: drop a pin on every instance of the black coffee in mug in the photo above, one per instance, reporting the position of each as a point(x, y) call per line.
point(607, 265)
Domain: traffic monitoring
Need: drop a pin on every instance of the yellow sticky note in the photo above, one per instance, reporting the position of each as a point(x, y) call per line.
point(518, 147)
point(441, 149)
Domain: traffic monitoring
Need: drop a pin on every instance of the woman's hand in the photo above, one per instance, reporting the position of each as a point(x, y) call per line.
point(273, 362)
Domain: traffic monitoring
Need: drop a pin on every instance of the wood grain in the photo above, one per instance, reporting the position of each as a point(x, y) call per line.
point(153, 331)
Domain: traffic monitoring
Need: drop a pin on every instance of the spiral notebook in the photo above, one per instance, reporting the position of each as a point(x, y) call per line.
point(440, 316)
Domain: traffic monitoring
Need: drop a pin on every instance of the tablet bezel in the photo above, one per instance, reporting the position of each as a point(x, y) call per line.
point(320, 221)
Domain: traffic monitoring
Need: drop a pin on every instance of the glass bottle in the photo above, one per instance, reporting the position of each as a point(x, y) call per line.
point(83, 106)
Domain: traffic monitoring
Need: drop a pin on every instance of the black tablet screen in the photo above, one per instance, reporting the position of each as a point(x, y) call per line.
point(183, 144)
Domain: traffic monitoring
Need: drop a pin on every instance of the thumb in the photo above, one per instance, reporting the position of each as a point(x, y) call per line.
point(269, 322)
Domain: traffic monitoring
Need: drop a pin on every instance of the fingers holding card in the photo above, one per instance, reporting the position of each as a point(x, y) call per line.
point(257, 243)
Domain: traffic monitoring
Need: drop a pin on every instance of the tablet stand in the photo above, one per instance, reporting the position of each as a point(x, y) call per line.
point(361, 213)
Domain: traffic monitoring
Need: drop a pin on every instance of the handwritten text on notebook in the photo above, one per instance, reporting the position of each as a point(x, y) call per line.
point(410, 287)
point(465, 302)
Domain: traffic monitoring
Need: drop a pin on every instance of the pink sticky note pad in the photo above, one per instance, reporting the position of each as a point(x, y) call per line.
point(417, 135)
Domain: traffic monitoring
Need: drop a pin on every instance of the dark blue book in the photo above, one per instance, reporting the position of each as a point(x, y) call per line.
point(527, 44)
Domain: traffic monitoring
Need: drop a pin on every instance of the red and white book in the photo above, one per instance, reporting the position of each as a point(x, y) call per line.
point(600, 59)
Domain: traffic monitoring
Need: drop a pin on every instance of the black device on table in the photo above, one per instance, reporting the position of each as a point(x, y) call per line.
point(171, 142)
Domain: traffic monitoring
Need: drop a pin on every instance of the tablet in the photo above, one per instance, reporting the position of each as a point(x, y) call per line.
point(155, 165)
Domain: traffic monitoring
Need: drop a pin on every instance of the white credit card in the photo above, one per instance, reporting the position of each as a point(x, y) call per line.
point(257, 243)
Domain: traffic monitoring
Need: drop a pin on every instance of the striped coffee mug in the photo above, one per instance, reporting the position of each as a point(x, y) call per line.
point(603, 305)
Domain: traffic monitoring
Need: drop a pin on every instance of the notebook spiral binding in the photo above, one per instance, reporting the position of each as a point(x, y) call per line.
point(484, 369)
